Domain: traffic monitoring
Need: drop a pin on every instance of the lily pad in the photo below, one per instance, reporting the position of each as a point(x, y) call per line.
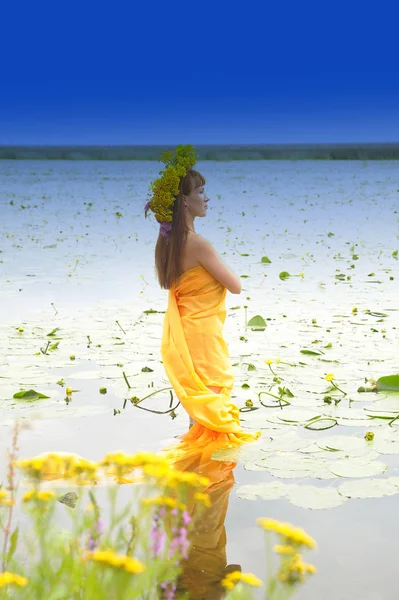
point(369, 488)
point(271, 490)
point(388, 383)
point(315, 498)
point(357, 468)
point(257, 323)
point(29, 395)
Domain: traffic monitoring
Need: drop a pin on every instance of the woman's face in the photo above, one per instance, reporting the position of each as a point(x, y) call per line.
point(197, 202)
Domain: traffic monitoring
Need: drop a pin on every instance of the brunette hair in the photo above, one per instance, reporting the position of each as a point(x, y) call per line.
point(168, 254)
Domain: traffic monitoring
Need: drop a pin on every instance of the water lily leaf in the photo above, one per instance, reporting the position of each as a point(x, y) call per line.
point(29, 395)
point(266, 259)
point(315, 498)
point(350, 445)
point(388, 383)
point(271, 490)
point(257, 323)
point(53, 332)
point(284, 275)
point(357, 468)
point(369, 488)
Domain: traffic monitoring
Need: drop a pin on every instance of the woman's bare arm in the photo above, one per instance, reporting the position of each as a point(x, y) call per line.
point(210, 259)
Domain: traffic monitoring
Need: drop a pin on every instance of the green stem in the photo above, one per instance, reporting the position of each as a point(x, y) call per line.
point(342, 392)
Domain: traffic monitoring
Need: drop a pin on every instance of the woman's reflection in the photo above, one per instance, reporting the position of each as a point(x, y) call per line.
point(206, 566)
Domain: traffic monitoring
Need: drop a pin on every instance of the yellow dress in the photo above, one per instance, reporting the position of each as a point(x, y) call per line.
point(195, 356)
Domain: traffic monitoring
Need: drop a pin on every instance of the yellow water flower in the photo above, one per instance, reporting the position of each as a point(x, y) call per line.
point(68, 391)
point(118, 561)
point(301, 274)
point(233, 578)
point(329, 376)
point(172, 478)
point(203, 498)
point(57, 466)
point(7, 578)
point(164, 501)
point(21, 329)
point(5, 499)
point(120, 464)
point(291, 535)
point(268, 361)
point(278, 361)
point(294, 570)
point(354, 309)
point(285, 549)
point(41, 496)
point(369, 436)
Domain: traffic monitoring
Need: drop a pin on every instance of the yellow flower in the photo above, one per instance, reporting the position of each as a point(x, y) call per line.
point(233, 578)
point(164, 501)
point(369, 436)
point(277, 361)
point(117, 561)
point(268, 361)
point(294, 570)
point(5, 500)
point(354, 309)
point(121, 464)
point(21, 329)
point(203, 498)
point(8, 578)
point(301, 274)
point(329, 376)
point(41, 496)
point(68, 391)
point(284, 549)
point(294, 535)
point(57, 466)
point(171, 477)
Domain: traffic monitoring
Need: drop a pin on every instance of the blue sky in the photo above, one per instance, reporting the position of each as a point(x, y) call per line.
point(209, 72)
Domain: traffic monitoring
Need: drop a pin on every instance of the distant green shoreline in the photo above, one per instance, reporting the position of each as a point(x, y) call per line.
point(216, 152)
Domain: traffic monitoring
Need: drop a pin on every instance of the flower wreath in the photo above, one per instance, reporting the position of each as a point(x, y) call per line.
point(165, 189)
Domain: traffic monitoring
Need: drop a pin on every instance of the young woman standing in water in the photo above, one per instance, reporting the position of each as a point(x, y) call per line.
point(194, 352)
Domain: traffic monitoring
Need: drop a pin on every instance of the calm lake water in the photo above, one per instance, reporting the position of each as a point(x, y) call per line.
point(77, 254)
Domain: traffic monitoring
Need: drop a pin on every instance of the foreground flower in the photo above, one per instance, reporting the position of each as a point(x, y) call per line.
point(120, 464)
point(8, 578)
point(40, 496)
point(5, 500)
point(369, 436)
point(163, 501)
point(117, 561)
point(57, 466)
point(233, 578)
point(203, 498)
point(292, 535)
point(294, 570)
point(329, 377)
point(284, 549)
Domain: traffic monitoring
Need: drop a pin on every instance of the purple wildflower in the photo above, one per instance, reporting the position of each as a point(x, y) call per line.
point(146, 209)
point(157, 536)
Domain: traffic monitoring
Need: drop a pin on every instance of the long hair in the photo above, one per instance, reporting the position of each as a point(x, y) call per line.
point(168, 255)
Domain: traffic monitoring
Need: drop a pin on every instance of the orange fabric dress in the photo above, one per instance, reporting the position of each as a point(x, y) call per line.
point(195, 356)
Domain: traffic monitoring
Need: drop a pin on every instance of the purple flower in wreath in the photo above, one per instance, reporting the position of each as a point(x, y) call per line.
point(166, 229)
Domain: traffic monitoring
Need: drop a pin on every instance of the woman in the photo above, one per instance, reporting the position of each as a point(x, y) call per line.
point(194, 352)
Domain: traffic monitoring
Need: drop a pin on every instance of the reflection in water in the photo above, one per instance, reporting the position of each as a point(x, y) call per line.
point(206, 566)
